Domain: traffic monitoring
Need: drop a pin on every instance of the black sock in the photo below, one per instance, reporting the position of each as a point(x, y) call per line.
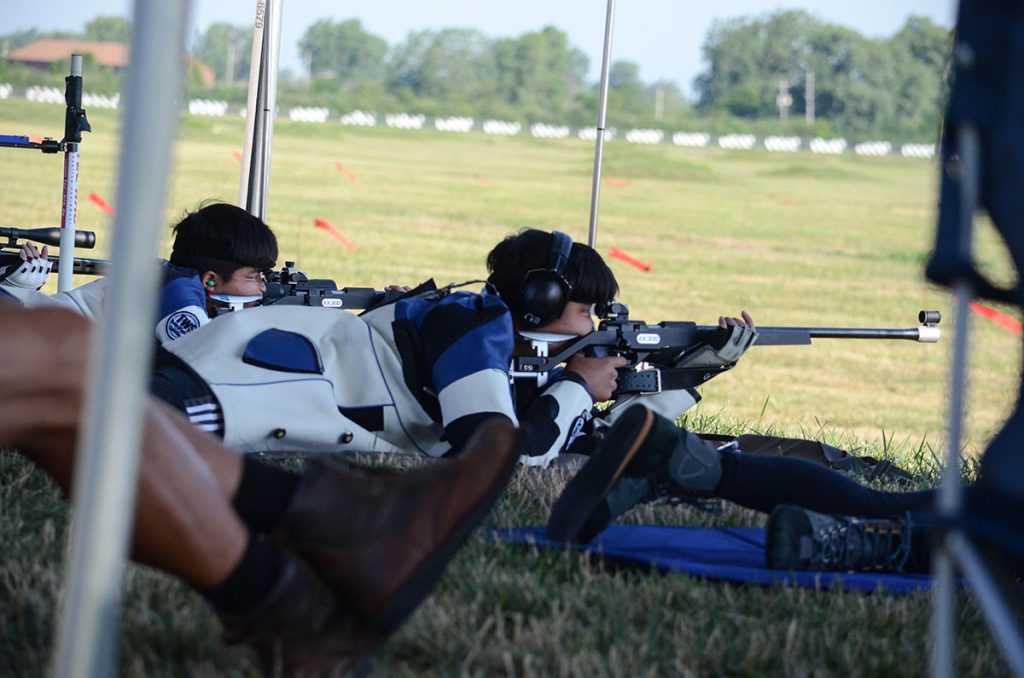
point(250, 581)
point(264, 493)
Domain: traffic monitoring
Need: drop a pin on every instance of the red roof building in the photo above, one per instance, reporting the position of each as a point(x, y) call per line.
point(41, 54)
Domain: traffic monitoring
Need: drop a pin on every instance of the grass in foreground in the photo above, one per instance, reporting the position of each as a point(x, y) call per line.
point(504, 610)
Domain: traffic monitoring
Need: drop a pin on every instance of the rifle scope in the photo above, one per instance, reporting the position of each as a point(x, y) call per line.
point(46, 236)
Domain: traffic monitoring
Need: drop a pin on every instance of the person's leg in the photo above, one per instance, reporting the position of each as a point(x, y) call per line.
point(643, 453)
point(762, 483)
point(183, 520)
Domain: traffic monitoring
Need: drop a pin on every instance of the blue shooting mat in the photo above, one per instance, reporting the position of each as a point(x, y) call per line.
point(733, 554)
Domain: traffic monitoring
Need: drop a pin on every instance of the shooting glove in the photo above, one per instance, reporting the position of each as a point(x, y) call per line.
point(30, 275)
point(724, 348)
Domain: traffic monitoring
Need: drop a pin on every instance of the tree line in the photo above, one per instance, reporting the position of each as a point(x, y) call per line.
point(887, 87)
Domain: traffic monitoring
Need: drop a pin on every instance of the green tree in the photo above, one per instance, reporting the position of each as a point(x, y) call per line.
point(227, 49)
point(343, 52)
point(863, 86)
point(109, 29)
point(450, 64)
point(539, 73)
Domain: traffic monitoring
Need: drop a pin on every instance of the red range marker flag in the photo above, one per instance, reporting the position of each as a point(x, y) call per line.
point(998, 318)
point(102, 204)
point(324, 225)
point(622, 256)
point(346, 171)
point(237, 155)
point(621, 183)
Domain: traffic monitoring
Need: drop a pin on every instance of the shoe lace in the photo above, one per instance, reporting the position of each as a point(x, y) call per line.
point(884, 545)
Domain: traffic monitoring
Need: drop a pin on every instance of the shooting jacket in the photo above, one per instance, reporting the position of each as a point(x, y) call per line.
point(395, 379)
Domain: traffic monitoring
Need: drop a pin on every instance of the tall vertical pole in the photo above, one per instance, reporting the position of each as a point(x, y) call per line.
point(809, 97)
point(259, 125)
point(73, 120)
point(122, 348)
point(943, 651)
point(595, 188)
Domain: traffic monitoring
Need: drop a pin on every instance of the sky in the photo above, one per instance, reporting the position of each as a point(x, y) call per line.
point(663, 37)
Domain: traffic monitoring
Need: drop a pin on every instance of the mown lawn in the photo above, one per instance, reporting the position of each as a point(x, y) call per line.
point(794, 239)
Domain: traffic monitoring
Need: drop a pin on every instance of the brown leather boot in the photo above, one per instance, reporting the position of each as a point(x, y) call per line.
point(300, 628)
point(382, 540)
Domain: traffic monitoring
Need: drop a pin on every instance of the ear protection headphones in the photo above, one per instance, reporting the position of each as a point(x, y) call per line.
point(545, 291)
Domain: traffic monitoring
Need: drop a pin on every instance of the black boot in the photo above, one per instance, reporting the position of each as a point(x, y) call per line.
point(799, 539)
point(640, 453)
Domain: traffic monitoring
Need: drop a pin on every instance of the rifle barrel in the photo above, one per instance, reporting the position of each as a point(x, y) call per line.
point(789, 336)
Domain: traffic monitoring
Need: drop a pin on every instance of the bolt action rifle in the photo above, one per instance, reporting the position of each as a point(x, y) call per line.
point(657, 354)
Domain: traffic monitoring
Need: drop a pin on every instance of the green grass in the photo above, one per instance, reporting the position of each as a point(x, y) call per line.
point(507, 610)
point(794, 239)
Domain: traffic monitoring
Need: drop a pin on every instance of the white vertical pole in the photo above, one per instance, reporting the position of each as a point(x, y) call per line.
point(595, 188)
point(943, 632)
point(108, 450)
point(69, 205)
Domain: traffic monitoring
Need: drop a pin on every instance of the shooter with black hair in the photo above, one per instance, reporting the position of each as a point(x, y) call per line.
point(220, 257)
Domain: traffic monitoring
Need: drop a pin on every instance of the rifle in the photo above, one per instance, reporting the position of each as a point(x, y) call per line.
point(292, 287)
point(50, 236)
point(658, 349)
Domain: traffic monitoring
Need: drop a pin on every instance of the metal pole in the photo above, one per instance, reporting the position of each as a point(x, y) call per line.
point(108, 450)
point(253, 107)
point(259, 131)
point(595, 188)
point(272, 45)
point(69, 204)
point(943, 652)
point(992, 601)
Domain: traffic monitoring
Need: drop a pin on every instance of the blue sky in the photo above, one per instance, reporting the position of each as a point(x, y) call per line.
point(663, 36)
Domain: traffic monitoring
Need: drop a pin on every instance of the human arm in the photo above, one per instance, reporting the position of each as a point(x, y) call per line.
point(182, 305)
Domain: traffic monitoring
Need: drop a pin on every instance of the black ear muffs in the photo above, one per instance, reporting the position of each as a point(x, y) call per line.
point(545, 291)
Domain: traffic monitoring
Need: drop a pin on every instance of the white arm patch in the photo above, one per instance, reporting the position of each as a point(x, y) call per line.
point(483, 391)
point(574, 401)
point(180, 323)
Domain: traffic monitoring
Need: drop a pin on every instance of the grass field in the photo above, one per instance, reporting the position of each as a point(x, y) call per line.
point(794, 239)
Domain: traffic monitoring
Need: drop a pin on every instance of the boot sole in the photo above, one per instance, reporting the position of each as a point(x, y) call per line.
point(588, 488)
point(423, 580)
point(786, 525)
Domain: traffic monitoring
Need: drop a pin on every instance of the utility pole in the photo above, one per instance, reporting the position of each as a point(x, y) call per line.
point(809, 97)
point(659, 102)
point(229, 68)
point(783, 100)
